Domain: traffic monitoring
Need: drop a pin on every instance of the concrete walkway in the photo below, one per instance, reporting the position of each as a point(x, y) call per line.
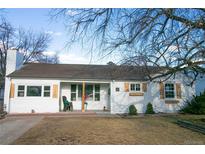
point(12, 128)
point(66, 114)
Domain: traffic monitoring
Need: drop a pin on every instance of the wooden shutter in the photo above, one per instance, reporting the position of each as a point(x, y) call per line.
point(161, 90)
point(178, 90)
point(12, 90)
point(144, 87)
point(126, 85)
point(55, 91)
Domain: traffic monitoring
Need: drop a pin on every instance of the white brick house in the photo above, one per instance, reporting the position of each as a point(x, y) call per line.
point(39, 87)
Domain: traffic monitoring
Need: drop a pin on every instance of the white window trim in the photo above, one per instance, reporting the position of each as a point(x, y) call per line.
point(25, 91)
point(46, 91)
point(76, 92)
point(79, 99)
point(174, 98)
point(34, 86)
point(96, 93)
point(135, 90)
point(21, 90)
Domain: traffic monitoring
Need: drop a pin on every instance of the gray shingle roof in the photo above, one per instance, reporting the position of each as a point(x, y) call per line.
point(81, 71)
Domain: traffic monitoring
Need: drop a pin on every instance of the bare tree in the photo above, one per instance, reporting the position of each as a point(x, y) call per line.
point(6, 33)
point(170, 38)
point(32, 45)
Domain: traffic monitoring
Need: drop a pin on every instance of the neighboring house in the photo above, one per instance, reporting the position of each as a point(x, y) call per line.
point(39, 87)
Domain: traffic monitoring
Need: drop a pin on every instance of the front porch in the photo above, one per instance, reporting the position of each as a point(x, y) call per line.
point(86, 96)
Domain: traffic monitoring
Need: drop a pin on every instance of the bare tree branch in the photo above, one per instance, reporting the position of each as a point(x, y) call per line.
point(32, 45)
point(164, 38)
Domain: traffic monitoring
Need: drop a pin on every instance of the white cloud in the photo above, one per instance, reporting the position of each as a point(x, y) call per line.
point(58, 33)
point(67, 58)
point(71, 12)
point(53, 33)
point(49, 53)
point(49, 32)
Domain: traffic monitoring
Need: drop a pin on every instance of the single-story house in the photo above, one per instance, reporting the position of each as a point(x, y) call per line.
point(37, 87)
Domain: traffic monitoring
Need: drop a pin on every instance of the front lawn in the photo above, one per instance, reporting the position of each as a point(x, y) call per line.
point(98, 130)
point(195, 119)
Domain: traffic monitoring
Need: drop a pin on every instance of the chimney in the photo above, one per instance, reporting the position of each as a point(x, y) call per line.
point(14, 61)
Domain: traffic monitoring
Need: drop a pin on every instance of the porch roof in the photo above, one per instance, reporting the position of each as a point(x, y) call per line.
point(81, 71)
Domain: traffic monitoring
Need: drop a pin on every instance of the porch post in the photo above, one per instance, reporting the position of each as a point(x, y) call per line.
point(83, 97)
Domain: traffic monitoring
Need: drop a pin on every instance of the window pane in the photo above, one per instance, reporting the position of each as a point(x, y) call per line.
point(46, 94)
point(97, 96)
point(169, 87)
point(46, 88)
point(80, 92)
point(20, 87)
point(169, 90)
point(89, 92)
point(46, 91)
point(137, 87)
point(133, 87)
point(73, 88)
point(33, 90)
point(21, 91)
point(169, 94)
point(97, 88)
point(73, 96)
point(21, 94)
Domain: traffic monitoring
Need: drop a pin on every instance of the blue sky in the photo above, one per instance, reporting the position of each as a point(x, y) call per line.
point(39, 20)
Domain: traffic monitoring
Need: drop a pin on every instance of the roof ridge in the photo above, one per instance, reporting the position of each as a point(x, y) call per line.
point(67, 64)
point(90, 65)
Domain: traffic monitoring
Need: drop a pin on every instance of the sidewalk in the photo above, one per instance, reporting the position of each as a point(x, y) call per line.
point(12, 128)
point(65, 114)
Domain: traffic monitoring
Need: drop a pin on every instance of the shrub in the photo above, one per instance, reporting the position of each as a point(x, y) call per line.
point(132, 110)
point(195, 106)
point(149, 109)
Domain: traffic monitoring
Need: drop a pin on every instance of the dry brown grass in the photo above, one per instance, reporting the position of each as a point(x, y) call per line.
point(95, 130)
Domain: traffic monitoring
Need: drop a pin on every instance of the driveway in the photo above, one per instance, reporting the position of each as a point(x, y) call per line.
point(12, 128)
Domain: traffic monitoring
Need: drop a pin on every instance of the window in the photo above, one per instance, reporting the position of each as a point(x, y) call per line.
point(134, 87)
point(169, 90)
point(21, 90)
point(88, 92)
point(34, 90)
point(73, 92)
point(117, 89)
point(80, 92)
point(97, 92)
point(46, 91)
